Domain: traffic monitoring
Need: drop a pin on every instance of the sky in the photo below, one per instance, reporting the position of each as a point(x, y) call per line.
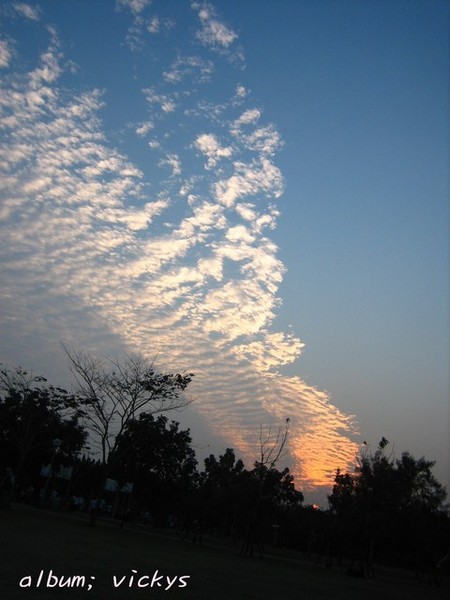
point(255, 192)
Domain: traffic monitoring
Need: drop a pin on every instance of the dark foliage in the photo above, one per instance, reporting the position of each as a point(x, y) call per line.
point(387, 510)
point(391, 505)
point(111, 394)
point(154, 454)
point(32, 415)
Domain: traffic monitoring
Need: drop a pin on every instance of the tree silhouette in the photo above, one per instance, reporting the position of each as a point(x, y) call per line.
point(221, 483)
point(384, 505)
point(112, 394)
point(269, 489)
point(158, 457)
point(32, 415)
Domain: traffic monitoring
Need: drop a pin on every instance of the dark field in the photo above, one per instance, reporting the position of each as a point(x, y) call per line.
point(32, 540)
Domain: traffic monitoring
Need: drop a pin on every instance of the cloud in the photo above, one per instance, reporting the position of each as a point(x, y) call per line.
point(5, 54)
point(213, 32)
point(136, 33)
point(240, 94)
point(27, 11)
point(265, 140)
point(134, 37)
point(154, 25)
point(246, 210)
point(247, 180)
point(171, 256)
point(189, 66)
point(165, 101)
point(136, 6)
point(209, 145)
point(173, 162)
point(248, 117)
point(274, 350)
point(144, 127)
point(215, 35)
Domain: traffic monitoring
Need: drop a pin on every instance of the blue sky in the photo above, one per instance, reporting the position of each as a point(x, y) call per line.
point(256, 190)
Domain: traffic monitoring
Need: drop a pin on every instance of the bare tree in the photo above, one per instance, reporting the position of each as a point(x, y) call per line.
point(271, 450)
point(113, 393)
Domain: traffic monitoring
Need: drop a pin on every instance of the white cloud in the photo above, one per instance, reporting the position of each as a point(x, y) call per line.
point(240, 95)
point(84, 257)
point(239, 233)
point(165, 101)
point(263, 139)
point(135, 33)
point(266, 220)
point(173, 162)
point(246, 210)
point(249, 179)
point(136, 6)
point(5, 54)
point(27, 11)
point(248, 117)
point(272, 352)
point(215, 35)
point(144, 127)
point(211, 267)
point(209, 145)
point(236, 309)
point(154, 25)
point(189, 66)
point(213, 32)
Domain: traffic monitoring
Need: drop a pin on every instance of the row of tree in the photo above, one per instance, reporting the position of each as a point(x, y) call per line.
point(112, 428)
point(388, 510)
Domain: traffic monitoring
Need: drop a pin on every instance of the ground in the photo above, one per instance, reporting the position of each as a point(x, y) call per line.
point(32, 540)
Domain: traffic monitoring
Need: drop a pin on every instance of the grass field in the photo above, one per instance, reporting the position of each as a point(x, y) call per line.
point(32, 540)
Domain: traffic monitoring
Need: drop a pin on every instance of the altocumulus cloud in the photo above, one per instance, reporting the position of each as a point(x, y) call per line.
point(173, 253)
